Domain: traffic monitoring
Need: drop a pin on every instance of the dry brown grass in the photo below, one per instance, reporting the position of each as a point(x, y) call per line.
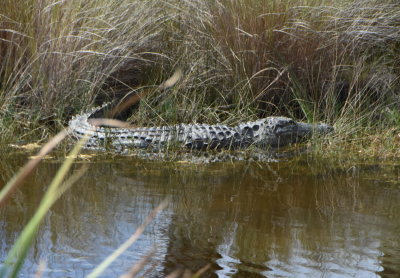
point(57, 57)
point(317, 59)
point(335, 61)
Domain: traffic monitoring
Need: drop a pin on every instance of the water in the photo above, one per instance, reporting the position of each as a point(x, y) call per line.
point(302, 217)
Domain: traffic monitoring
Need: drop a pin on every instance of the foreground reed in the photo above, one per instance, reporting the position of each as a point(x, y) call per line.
point(18, 252)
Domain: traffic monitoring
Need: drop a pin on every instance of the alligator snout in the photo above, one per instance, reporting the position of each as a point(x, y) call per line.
point(324, 128)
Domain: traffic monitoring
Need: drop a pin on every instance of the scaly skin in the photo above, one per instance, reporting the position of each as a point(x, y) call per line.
point(271, 132)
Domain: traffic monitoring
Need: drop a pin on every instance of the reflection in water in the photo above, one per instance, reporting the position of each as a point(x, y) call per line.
point(298, 218)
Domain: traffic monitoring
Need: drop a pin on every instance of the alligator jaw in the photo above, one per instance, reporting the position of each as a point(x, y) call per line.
point(299, 132)
point(278, 132)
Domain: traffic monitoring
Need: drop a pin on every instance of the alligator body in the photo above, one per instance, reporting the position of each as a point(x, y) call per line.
point(271, 132)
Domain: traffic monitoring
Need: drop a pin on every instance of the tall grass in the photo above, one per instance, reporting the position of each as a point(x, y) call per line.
point(314, 59)
point(330, 60)
point(57, 56)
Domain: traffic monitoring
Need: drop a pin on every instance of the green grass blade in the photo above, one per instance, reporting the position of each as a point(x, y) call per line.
point(17, 254)
point(19, 178)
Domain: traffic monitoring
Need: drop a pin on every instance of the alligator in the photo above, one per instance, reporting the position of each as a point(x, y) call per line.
point(270, 132)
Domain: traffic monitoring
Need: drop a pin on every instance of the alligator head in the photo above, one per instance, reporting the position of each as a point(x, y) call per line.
point(281, 131)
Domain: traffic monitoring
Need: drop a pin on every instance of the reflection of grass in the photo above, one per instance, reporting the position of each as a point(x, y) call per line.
point(101, 267)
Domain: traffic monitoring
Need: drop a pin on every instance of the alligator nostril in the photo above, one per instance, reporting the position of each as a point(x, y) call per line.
point(278, 126)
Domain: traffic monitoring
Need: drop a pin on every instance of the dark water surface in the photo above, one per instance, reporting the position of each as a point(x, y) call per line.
point(303, 217)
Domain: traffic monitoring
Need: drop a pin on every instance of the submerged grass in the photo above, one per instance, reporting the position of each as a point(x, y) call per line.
point(314, 60)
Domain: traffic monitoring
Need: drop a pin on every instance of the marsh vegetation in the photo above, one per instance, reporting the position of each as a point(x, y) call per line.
point(320, 60)
point(331, 61)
